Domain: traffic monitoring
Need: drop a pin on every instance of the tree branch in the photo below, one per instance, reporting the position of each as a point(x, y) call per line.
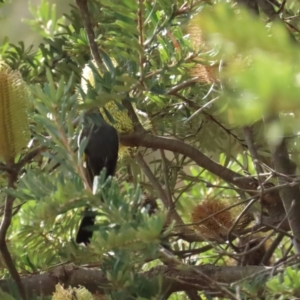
point(154, 182)
point(193, 295)
point(188, 234)
point(6, 221)
point(29, 157)
point(173, 279)
point(290, 195)
point(268, 9)
point(87, 23)
point(250, 4)
point(270, 200)
point(248, 134)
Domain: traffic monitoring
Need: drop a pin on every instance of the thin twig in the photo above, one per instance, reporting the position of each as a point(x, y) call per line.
point(154, 182)
point(166, 177)
point(281, 8)
point(172, 213)
point(186, 253)
point(87, 23)
point(210, 282)
point(267, 256)
point(182, 85)
point(248, 134)
point(29, 157)
point(207, 104)
point(250, 143)
point(6, 221)
point(141, 40)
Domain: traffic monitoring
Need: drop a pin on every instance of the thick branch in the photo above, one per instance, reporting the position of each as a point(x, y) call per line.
point(270, 200)
point(177, 146)
point(173, 279)
point(291, 194)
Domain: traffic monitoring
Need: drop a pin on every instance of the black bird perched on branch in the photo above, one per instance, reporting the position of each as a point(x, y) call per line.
point(100, 152)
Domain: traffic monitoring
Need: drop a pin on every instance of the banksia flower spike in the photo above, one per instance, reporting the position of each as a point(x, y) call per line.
point(80, 293)
point(122, 122)
point(14, 126)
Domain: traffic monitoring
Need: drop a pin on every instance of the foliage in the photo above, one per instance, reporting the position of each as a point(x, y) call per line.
point(286, 285)
point(202, 87)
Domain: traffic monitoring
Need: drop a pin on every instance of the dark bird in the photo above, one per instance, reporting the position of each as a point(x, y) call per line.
point(100, 152)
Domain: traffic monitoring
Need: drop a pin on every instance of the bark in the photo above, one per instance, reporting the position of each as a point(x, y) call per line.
point(270, 200)
point(173, 279)
point(290, 195)
point(250, 4)
point(268, 9)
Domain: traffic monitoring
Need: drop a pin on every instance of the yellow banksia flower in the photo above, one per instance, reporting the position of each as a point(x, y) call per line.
point(80, 293)
point(122, 122)
point(14, 125)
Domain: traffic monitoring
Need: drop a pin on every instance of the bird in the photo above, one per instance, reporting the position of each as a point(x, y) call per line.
point(101, 152)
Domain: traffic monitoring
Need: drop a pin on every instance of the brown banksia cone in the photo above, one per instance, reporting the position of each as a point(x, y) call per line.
point(14, 125)
point(205, 72)
point(210, 224)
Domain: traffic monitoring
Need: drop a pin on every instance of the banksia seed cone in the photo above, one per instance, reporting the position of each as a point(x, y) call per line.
point(14, 126)
point(205, 73)
point(216, 226)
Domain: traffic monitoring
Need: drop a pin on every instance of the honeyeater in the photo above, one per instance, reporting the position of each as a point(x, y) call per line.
point(101, 152)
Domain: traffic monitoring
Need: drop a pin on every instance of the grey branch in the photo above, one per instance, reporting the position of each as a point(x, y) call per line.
point(173, 279)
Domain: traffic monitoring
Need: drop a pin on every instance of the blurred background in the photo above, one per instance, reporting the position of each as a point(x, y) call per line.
point(13, 13)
